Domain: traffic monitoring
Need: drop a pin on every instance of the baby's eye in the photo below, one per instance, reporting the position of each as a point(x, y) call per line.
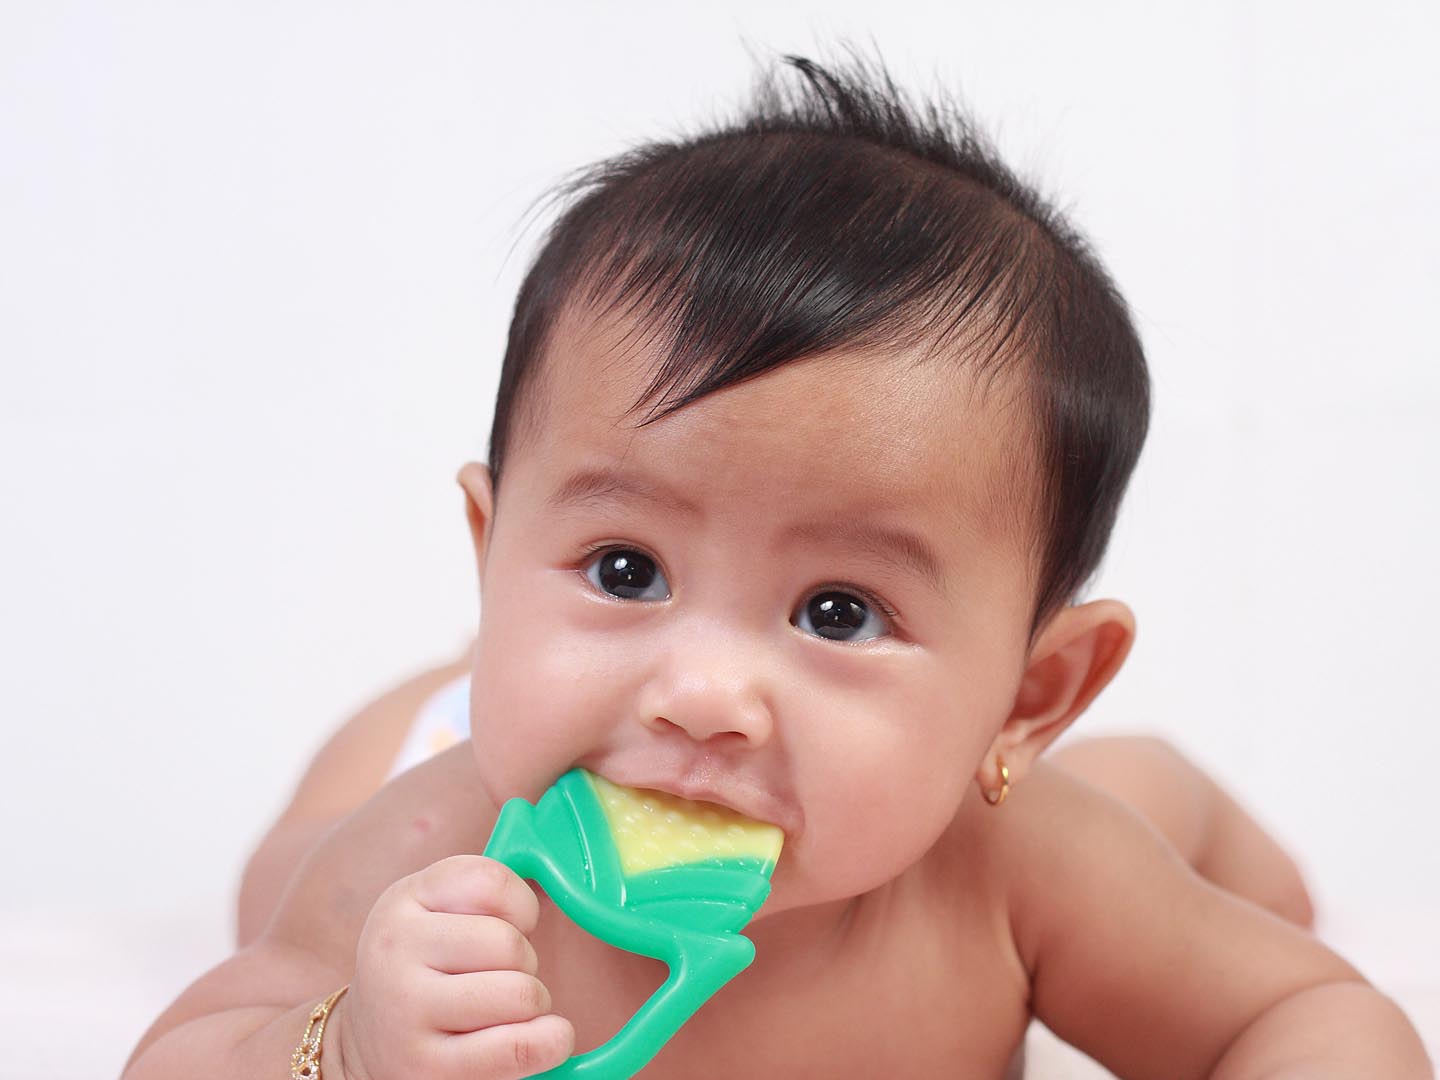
point(626, 573)
point(837, 615)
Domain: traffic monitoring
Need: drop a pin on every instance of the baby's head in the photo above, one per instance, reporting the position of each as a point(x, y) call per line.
point(826, 576)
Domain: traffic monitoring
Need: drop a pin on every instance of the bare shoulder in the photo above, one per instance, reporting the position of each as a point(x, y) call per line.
point(352, 764)
point(355, 759)
point(1000, 854)
point(431, 812)
point(1133, 957)
point(1056, 823)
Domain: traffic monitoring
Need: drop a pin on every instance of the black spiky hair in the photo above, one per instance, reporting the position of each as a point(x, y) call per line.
point(832, 211)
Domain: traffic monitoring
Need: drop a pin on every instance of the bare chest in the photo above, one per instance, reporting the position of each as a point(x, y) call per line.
point(924, 982)
point(914, 999)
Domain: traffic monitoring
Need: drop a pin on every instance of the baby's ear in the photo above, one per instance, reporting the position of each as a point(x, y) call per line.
point(1076, 655)
point(474, 480)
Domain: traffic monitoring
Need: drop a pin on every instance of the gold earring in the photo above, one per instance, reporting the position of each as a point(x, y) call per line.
point(1004, 784)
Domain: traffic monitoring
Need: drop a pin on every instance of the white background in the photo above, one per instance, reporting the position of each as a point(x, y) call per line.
point(255, 280)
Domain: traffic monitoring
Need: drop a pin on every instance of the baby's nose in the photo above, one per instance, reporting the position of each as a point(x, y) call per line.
point(708, 704)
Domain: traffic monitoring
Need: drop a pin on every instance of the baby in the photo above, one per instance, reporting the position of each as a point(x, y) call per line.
point(826, 578)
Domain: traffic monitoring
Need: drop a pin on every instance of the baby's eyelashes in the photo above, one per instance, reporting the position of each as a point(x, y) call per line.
point(835, 613)
point(627, 574)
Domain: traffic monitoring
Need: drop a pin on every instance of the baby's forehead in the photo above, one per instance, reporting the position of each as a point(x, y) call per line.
point(849, 428)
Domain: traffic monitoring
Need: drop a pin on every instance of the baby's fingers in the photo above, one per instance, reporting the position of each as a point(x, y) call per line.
point(455, 944)
point(482, 999)
point(510, 1051)
point(476, 885)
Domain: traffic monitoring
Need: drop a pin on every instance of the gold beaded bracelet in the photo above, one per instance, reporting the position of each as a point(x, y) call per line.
point(305, 1061)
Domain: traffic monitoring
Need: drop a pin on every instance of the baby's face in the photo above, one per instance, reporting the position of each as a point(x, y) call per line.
point(710, 619)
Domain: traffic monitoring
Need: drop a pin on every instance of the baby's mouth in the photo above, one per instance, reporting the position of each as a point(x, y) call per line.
point(705, 791)
point(653, 829)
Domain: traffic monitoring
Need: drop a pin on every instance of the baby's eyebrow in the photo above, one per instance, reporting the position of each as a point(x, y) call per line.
point(900, 549)
point(595, 485)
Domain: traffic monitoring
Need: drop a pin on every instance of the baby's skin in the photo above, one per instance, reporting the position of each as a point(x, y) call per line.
point(731, 613)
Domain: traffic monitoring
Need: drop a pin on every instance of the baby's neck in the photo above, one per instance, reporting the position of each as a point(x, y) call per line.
point(794, 943)
point(792, 948)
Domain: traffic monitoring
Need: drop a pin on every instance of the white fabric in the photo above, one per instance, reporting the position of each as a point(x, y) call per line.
point(442, 721)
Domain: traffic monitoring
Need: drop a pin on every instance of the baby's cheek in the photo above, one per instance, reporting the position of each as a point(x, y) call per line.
point(893, 829)
point(519, 746)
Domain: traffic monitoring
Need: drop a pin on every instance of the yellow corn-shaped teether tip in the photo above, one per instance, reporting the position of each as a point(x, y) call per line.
point(653, 830)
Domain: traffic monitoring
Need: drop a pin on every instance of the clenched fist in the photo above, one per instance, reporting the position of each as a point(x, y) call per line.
point(445, 983)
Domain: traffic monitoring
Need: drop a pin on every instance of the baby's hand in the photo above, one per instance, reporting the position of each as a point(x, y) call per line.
point(444, 983)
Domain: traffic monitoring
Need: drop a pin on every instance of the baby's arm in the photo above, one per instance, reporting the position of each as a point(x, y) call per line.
point(347, 770)
point(243, 1018)
point(1153, 971)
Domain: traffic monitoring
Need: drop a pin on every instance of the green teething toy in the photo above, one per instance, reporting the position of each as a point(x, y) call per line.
point(652, 874)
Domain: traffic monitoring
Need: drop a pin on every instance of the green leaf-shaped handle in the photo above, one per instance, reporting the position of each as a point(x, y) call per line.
point(689, 915)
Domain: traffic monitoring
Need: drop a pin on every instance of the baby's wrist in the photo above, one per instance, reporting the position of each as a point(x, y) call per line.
point(333, 1055)
point(318, 1056)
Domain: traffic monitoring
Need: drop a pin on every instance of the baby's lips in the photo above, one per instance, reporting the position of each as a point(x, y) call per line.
point(725, 794)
